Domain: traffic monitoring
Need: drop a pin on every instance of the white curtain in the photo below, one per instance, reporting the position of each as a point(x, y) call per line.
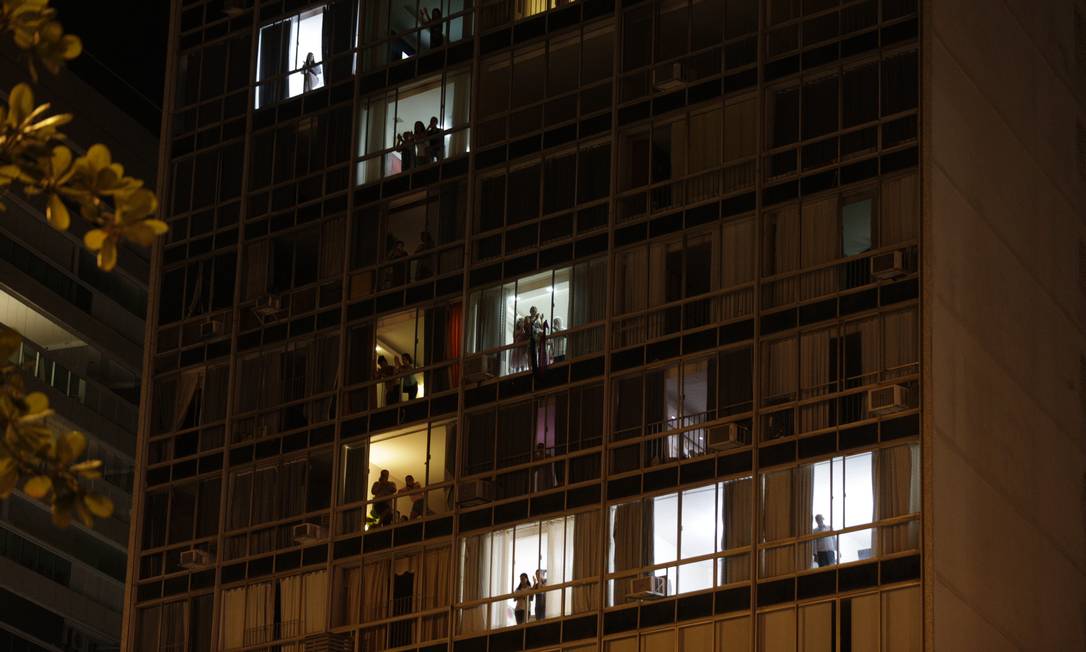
point(502, 581)
point(739, 250)
point(259, 613)
point(582, 551)
point(900, 353)
point(290, 610)
point(819, 245)
point(816, 360)
point(777, 521)
point(898, 481)
point(900, 210)
point(474, 580)
point(376, 589)
point(233, 618)
point(780, 370)
point(314, 608)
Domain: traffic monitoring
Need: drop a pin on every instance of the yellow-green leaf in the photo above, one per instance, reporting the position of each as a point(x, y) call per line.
point(98, 156)
point(99, 505)
point(56, 213)
point(36, 402)
point(94, 239)
point(71, 46)
point(38, 486)
point(70, 446)
point(107, 256)
point(21, 103)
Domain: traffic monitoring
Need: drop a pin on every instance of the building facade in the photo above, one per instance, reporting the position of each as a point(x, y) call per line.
point(589, 326)
point(63, 589)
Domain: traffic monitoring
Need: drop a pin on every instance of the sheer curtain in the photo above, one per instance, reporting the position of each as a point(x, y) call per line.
point(738, 251)
point(632, 272)
point(736, 516)
point(861, 355)
point(589, 301)
point(474, 580)
point(315, 605)
point(585, 552)
point(348, 602)
point(376, 589)
point(815, 366)
point(502, 580)
point(290, 610)
point(172, 637)
point(187, 385)
point(898, 490)
point(900, 210)
point(819, 245)
point(900, 353)
point(780, 371)
point(705, 152)
point(259, 613)
point(233, 618)
point(777, 521)
point(625, 544)
point(434, 590)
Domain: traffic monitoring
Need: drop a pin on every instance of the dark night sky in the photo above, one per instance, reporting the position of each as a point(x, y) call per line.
point(124, 51)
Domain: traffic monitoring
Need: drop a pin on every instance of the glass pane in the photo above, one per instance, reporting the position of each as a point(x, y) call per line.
point(856, 227)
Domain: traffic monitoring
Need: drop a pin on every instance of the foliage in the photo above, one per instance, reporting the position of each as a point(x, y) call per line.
point(38, 161)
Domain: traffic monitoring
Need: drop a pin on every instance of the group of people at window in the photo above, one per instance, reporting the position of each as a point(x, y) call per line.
point(530, 594)
point(399, 272)
point(398, 378)
point(384, 510)
point(422, 145)
point(535, 342)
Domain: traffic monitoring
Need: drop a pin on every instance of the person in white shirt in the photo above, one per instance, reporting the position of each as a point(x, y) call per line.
point(825, 551)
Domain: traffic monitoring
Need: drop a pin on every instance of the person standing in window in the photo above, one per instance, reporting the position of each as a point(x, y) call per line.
point(387, 372)
point(540, 606)
point(414, 491)
point(520, 598)
point(520, 341)
point(424, 266)
point(825, 553)
point(437, 140)
point(422, 145)
point(433, 19)
point(534, 329)
point(405, 145)
point(398, 271)
point(410, 383)
point(311, 74)
point(557, 341)
point(383, 489)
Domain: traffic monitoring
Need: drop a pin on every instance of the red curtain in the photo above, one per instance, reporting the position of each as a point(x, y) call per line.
point(456, 337)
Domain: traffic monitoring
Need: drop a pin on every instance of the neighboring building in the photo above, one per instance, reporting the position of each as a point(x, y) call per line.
point(63, 589)
point(811, 376)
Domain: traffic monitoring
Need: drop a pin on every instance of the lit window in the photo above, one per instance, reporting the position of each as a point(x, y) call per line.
point(294, 47)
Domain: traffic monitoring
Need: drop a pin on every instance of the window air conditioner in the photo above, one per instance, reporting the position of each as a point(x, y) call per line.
point(647, 588)
point(476, 492)
point(328, 642)
point(268, 306)
point(195, 559)
point(725, 436)
point(211, 328)
point(887, 400)
point(668, 77)
point(888, 265)
point(307, 533)
point(478, 369)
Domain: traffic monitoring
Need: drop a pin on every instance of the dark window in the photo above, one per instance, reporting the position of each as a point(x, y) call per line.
point(784, 117)
point(860, 95)
point(899, 83)
point(820, 108)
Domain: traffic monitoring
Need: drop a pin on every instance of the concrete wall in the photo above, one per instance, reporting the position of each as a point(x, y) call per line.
point(1004, 205)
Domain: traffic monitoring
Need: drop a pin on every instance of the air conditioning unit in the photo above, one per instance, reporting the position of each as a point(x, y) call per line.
point(888, 265)
point(478, 369)
point(328, 642)
point(668, 78)
point(195, 559)
point(887, 400)
point(211, 328)
point(268, 307)
point(307, 533)
point(725, 436)
point(647, 588)
point(476, 492)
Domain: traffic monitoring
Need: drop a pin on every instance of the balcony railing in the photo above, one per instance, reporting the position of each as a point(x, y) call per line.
point(90, 394)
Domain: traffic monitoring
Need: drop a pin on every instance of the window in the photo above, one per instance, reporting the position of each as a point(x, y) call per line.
point(831, 503)
point(285, 489)
point(562, 299)
point(400, 29)
point(527, 431)
point(530, 572)
point(657, 533)
point(287, 608)
point(414, 125)
point(191, 398)
point(279, 264)
point(419, 462)
point(856, 236)
point(294, 47)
